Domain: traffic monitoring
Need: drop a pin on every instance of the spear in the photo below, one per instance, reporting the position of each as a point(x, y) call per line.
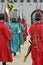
point(7, 11)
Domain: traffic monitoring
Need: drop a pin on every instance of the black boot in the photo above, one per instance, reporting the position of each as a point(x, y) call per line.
point(14, 53)
point(4, 63)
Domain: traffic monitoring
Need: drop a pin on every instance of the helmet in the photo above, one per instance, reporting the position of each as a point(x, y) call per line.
point(2, 16)
point(14, 20)
point(37, 16)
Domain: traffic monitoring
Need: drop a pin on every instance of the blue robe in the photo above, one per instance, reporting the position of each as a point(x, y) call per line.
point(21, 39)
point(15, 39)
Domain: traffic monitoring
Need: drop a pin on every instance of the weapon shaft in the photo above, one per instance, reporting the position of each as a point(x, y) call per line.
point(29, 50)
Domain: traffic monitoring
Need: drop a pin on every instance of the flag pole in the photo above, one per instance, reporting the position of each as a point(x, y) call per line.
point(8, 12)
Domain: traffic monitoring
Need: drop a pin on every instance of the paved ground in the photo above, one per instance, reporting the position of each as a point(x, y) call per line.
point(18, 60)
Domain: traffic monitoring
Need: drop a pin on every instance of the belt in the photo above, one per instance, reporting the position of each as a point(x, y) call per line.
point(36, 37)
point(13, 34)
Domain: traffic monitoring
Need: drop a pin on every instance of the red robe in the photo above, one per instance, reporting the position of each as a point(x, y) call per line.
point(5, 36)
point(37, 55)
point(25, 30)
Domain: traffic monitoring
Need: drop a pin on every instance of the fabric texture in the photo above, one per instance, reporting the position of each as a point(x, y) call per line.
point(15, 39)
point(5, 36)
point(37, 53)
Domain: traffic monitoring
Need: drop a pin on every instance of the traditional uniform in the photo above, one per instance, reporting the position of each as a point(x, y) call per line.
point(36, 33)
point(21, 40)
point(5, 36)
point(21, 27)
point(15, 39)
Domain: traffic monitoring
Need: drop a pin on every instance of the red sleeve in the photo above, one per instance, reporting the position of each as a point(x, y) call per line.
point(25, 26)
point(41, 44)
point(7, 33)
point(30, 31)
point(42, 32)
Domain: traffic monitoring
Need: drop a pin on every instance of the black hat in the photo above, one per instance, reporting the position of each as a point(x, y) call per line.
point(13, 19)
point(37, 16)
point(2, 16)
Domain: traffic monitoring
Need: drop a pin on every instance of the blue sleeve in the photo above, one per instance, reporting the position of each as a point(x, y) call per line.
point(22, 27)
point(17, 29)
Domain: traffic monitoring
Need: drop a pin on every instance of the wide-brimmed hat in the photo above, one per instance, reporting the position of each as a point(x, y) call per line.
point(13, 19)
point(2, 16)
point(37, 16)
